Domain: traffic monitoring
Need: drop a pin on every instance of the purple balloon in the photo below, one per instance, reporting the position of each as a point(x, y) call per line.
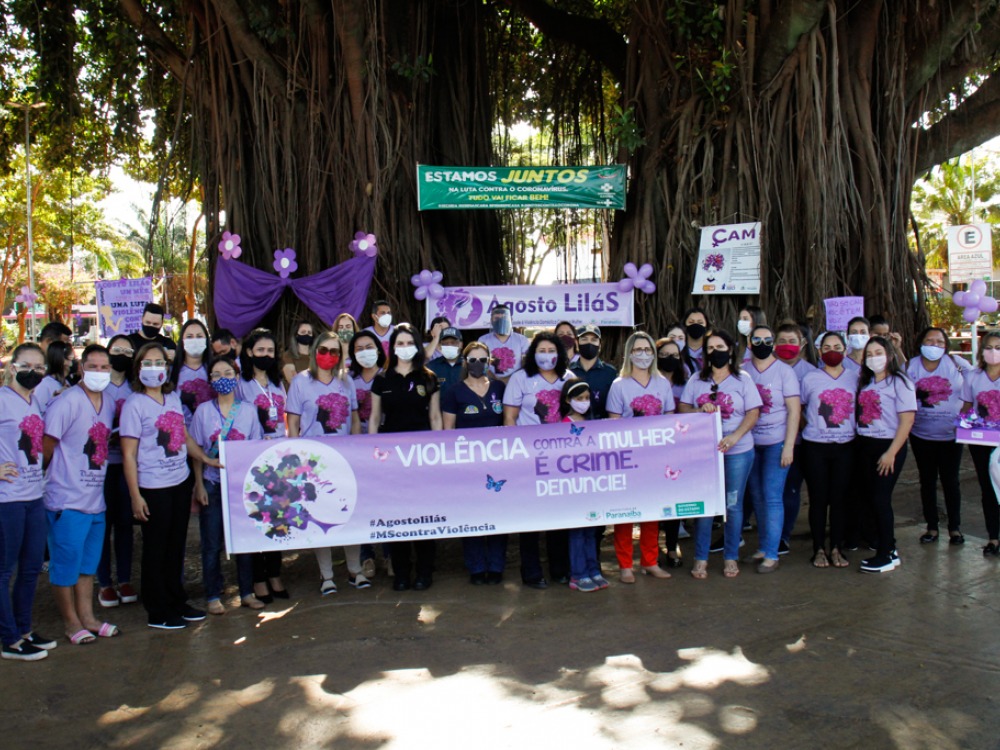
point(970, 315)
point(415, 280)
point(436, 277)
point(426, 277)
point(958, 298)
point(420, 293)
point(631, 270)
point(645, 271)
point(625, 285)
point(988, 305)
point(435, 291)
point(978, 287)
point(971, 299)
point(647, 286)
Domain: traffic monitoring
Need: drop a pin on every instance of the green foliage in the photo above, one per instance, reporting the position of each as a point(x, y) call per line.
point(625, 132)
point(420, 68)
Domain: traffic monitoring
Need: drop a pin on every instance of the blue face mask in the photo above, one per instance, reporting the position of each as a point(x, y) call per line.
point(224, 386)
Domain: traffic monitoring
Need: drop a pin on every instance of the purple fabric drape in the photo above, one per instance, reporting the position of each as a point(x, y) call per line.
point(243, 294)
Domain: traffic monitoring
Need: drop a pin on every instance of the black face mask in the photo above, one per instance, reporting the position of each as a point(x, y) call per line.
point(589, 351)
point(121, 362)
point(718, 358)
point(762, 351)
point(150, 331)
point(695, 330)
point(263, 363)
point(476, 369)
point(305, 339)
point(29, 379)
point(668, 364)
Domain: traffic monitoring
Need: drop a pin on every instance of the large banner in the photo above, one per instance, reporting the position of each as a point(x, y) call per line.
point(521, 187)
point(728, 260)
point(535, 305)
point(120, 303)
point(301, 493)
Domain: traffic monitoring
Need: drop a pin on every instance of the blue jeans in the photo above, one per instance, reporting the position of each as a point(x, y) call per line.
point(765, 487)
point(119, 525)
point(485, 554)
point(583, 562)
point(212, 544)
point(23, 529)
point(792, 498)
point(737, 469)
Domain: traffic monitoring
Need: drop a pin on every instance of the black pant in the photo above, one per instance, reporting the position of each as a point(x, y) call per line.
point(877, 489)
point(424, 549)
point(671, 530)
point(164, 538)
point(557, 548)
point(827, 469)
point(265, 565)
point(939, 458)
point(991, 511)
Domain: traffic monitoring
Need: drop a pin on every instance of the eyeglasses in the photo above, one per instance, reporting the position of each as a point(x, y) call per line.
point(122, 350)
point(148, 363)
point(482, 360)
point(643, 350)
point(25, 367)
point(714, 392)
point(221, 375)
point(758, 340)
point(325, 350)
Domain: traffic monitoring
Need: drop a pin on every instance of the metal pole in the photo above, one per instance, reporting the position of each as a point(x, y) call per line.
point(27, 181)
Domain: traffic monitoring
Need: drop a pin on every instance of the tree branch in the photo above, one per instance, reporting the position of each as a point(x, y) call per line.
point(974, 122)
point(954, 72)
point(245, 38)
point(160, 45)
point(790, 22)
point(592, 35)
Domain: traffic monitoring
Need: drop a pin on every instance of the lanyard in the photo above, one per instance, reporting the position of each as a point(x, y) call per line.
point(227, 425)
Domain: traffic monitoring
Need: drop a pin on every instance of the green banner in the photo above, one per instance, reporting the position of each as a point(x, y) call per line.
point(520, 187)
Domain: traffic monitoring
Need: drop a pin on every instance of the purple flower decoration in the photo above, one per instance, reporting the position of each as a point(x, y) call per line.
point(284, 262)
point(637, 278)
point(26, 297)
point(428, 284)
point(230, 246)
point(364, 244)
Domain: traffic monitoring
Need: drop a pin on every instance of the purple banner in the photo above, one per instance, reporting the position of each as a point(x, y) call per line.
point(120, 304)
point(300, 493)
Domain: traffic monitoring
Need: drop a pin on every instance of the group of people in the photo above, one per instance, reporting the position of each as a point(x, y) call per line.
point(130, 434)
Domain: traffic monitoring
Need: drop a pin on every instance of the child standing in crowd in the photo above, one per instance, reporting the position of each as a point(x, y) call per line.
point(982, 394)
point(584, 565)
point(223, 419)
point(22, 514)
point(477, 401)
point(938, 379)
point(639, 391)
point(886, 407)
point(323, 401)
point(189, 374)
point(506, 346)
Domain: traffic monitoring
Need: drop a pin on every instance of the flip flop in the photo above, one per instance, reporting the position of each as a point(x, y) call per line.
point(80, 637)
point(107, 630)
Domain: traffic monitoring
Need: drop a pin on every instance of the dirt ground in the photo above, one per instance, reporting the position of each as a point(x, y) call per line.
point(801, 658)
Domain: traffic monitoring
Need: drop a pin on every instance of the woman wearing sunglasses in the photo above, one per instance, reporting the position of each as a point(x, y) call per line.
point(722, 387)
point(774, 442)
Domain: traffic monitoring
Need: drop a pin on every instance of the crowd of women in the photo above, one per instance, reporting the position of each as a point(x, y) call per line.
point(838, 412)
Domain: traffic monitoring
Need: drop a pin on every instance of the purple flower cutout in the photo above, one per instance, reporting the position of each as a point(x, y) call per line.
point(284, 262)
point(646, 406)
point(229, 246)
point(871, 407)
point(714, 262)
point(428, 284)
point(933, 390)
point(364, 244)
point(26, 297)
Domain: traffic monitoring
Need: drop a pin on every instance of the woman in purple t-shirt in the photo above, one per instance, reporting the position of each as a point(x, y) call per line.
point(982, 393)
point(155, 447)
point(189, 376)
point(886, 406)
point(723, 387)
point(672, 363)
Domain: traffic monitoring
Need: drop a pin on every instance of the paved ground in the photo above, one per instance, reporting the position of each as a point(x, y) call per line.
point(803, 658)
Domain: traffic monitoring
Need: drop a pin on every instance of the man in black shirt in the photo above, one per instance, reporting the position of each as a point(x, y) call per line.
point(589, 368)
point(448, 367)
point(152, 322)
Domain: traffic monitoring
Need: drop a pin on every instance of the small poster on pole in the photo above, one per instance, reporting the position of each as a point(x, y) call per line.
point(728, 260)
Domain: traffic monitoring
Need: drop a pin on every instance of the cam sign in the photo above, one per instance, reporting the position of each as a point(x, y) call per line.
point(728, 260)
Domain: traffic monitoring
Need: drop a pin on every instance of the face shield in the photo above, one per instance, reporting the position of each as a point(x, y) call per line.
point(501, 322)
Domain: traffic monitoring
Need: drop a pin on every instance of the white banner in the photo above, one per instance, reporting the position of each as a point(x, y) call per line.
point(728, 260)
point(535, 306)
point(970, 253)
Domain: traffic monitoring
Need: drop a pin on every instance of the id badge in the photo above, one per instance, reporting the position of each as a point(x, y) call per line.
point(272, 413)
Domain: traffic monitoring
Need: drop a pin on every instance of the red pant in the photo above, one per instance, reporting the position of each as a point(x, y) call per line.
point(649, 544)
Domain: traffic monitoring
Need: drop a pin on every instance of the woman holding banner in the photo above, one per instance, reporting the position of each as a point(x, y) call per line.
point(407, 397)
point(724, 388)
point(532, 397)
point(477, 401)
point(639, 391)
point(982, 394)
point(323, 401)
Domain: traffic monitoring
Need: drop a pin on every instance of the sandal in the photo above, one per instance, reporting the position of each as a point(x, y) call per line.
point(730, 568)
point(838, 559)
point(252, 602)
point(107, 630)
point(700, 570)
point(819, 559)
point(81, 636)
point(216, 607)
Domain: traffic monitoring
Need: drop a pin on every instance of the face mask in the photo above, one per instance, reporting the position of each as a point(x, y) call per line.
point(718, 358)
point(546, 360)
point(152, 376)
point(344, 336)
point(568, 341)
point(121, 362)
point(762, 351)
point(385, 320)
point(832, 359)
point(406, 353)
point(642, 361)
point(195, 347)
point(502, 326)
point(991, 356)
point(695, 330)
point(787, 352)
point(366, 357)
point(29, 379)
point(150, 331)
point(580, 407)
point(224, 386)
point(877, 363)
point(589, 351)
point(476, 369)
point(96, 381)
point(668, 364)
point(327, 361)
point(305, 339)
point(933, 353)
point(857, 341)
point(450, 352)
point(263, 363)
point(744, 327)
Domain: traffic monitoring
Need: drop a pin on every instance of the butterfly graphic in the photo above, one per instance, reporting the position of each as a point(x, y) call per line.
point(380, 455)
point(671, 473)
point(494, 484)
point(681, 428)
point(574, 430)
